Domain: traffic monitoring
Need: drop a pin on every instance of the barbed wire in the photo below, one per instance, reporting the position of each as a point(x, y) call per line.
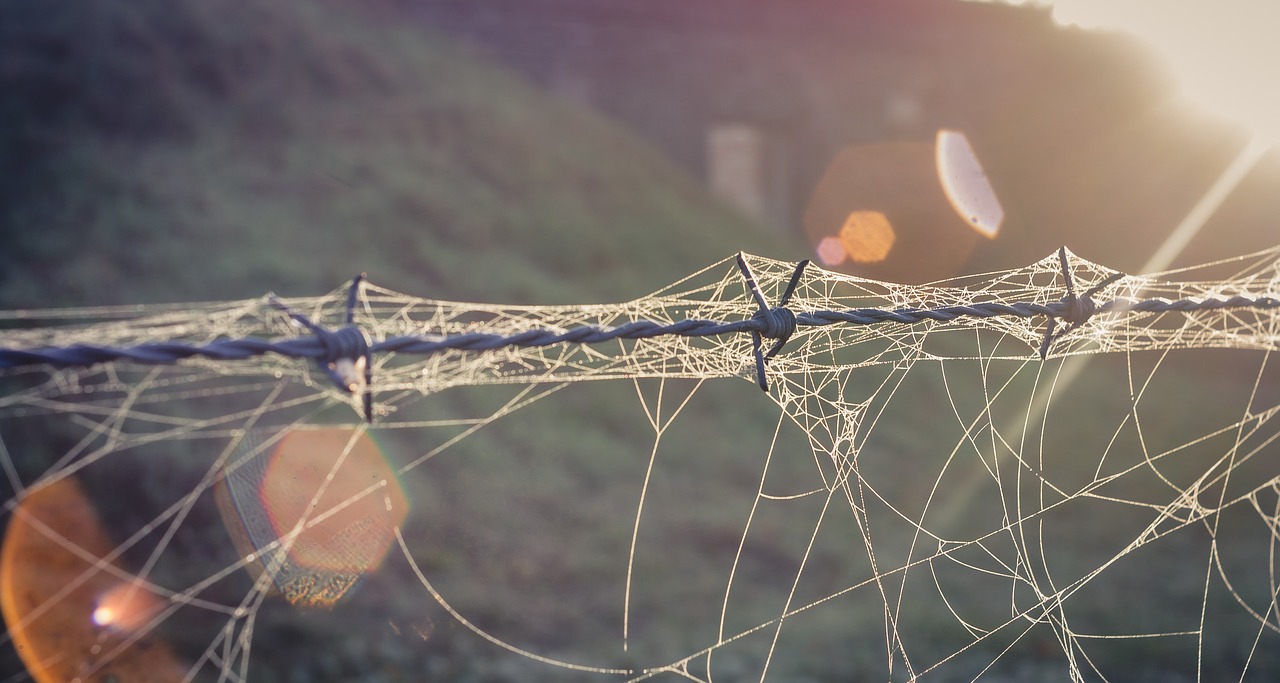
point(348, 349)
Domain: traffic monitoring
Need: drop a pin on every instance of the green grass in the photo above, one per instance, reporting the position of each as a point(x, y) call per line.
point(209, 154)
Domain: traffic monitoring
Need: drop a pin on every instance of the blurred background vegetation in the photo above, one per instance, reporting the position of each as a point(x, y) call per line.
point(289, 146)
point(156, 151)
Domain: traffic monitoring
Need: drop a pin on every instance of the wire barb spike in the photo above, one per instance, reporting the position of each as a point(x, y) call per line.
point(347, 357)
point(1077, 310)
point(777, 323)
point(346, 354)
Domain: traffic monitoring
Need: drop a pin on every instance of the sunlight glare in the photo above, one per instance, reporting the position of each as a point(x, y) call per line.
point(1222, 53)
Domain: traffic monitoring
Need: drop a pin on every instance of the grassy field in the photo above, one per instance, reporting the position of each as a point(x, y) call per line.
point(288, 146)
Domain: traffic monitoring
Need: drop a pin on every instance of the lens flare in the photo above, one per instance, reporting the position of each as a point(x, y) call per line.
point(966, 185)
point(883, 206)
point(867, 236)
point(830, 251)
point(126, 607)
point(103, 616)
point(318, 512)
point(67, 612)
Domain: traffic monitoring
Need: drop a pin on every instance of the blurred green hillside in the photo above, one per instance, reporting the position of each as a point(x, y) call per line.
point(166, 152)
point(159, 151)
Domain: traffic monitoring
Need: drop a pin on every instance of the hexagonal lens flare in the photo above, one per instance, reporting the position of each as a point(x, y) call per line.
point(317, 512)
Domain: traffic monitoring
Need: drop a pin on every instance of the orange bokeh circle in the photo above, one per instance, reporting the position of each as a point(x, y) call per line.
point(53, 583)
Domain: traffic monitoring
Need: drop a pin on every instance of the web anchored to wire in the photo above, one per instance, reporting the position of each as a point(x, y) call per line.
point(935, 485)
point(346, 354)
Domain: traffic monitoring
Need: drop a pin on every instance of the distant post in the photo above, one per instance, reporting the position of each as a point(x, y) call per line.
point(743, 169)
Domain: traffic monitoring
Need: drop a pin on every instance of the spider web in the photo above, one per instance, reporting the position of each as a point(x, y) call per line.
point(926, 502)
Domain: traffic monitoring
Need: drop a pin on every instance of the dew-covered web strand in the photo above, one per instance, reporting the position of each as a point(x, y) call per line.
point(838, 384)
point(170, 520)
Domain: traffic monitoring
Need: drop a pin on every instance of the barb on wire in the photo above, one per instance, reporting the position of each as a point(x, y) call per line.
point(346, 354)
point(779, 321)
point(1078, 310)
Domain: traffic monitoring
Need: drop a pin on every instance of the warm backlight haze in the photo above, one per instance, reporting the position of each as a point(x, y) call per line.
point(1223, 53)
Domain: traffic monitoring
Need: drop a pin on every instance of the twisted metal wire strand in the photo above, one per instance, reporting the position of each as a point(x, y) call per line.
point(329, 348)
point(312, 347)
